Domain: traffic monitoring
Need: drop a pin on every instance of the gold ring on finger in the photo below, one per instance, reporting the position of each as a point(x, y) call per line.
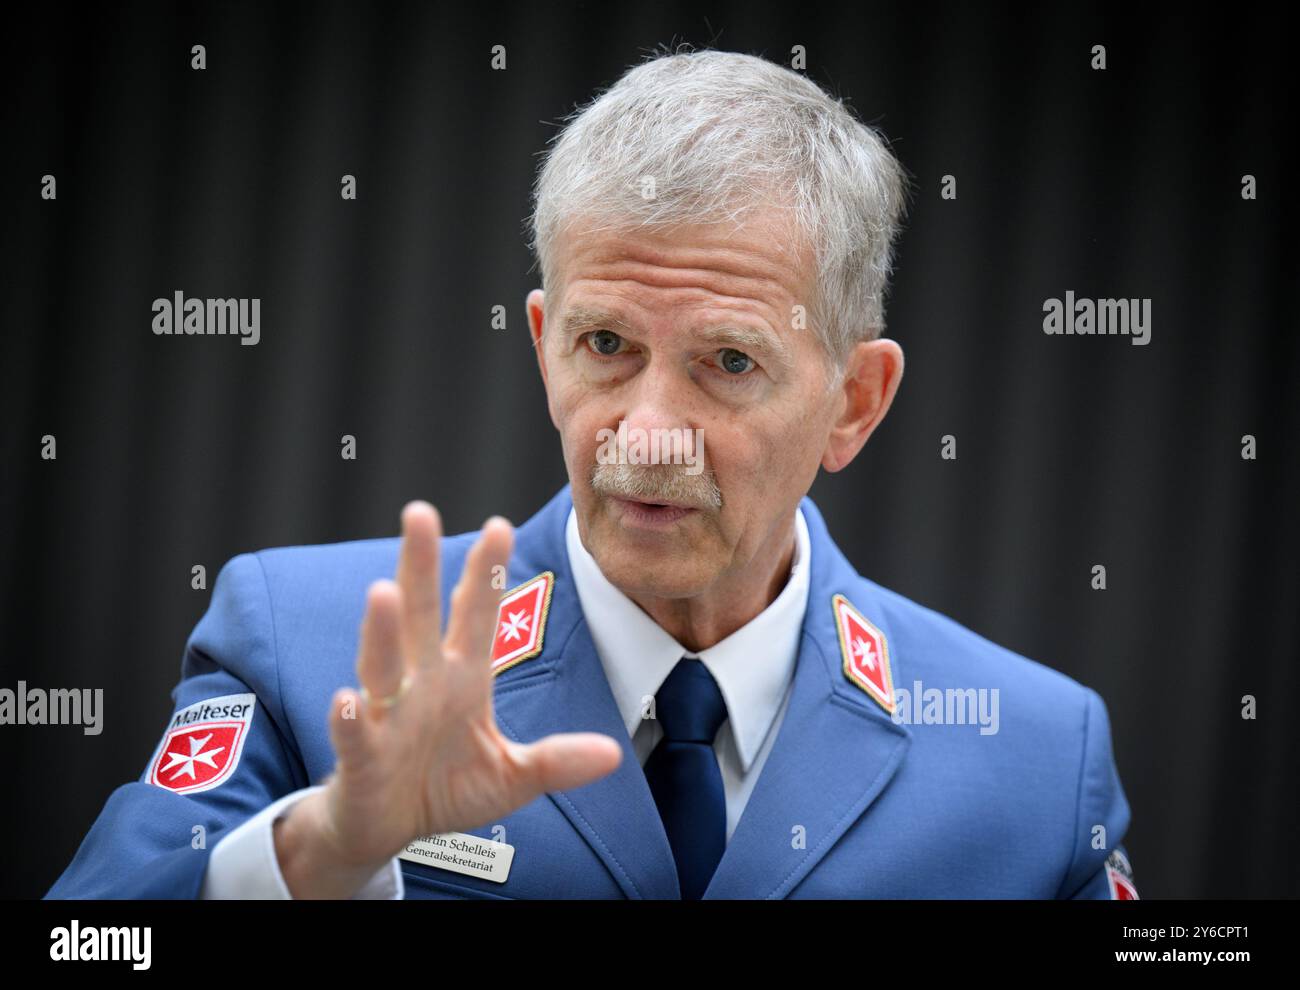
point(388, 701)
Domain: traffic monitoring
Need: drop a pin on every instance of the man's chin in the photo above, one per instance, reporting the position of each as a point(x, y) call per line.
point(662, 568)
point(641, 580)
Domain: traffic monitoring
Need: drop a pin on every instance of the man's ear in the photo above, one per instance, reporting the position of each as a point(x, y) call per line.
point(871, 376)
point(534, 304)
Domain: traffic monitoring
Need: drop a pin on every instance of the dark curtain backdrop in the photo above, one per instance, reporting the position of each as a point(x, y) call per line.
point(1072, 451)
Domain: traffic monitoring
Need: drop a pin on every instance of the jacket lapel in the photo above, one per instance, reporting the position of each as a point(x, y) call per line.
point(564, 689)
point(836, 750)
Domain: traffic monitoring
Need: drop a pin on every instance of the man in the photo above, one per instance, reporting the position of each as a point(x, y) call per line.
point(685, 690)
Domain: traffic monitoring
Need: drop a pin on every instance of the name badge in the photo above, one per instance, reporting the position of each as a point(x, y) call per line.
point(468, 854)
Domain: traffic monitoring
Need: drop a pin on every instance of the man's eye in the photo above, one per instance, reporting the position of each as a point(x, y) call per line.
point(604, 342)
point(735, 363)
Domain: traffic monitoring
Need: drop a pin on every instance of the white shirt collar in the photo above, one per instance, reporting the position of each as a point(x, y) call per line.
point(753, 666)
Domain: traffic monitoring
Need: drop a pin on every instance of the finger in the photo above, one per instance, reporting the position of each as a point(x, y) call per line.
point(565, 760)
point(379, 659)
point(419, 578)
point(347, 732)
point(472, 624)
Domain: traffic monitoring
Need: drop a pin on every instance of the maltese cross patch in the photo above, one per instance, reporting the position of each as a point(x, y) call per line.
point(521, 621)
point(1120, 877)
point(203, 744)
point(866, 654)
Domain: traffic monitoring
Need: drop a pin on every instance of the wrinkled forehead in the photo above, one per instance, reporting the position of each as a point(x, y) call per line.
point(759, 239)
point(758, 263)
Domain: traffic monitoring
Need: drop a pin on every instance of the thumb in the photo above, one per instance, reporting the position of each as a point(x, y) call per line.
point(567, 760)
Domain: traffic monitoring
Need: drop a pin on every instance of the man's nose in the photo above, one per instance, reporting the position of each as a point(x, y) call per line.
point(659, 398)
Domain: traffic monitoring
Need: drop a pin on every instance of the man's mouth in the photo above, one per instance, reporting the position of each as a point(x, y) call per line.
point(652, 515)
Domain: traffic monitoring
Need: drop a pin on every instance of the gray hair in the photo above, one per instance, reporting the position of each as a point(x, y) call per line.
point(722, 134)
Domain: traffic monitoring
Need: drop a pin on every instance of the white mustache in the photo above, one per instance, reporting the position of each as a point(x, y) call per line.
point(661, 483)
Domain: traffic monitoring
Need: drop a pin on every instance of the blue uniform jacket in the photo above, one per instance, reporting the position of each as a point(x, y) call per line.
point(853, 802)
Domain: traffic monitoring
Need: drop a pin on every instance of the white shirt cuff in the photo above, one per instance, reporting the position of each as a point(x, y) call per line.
point(243, 866)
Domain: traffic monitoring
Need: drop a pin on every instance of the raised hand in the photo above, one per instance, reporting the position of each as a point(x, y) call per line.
point(418, 749)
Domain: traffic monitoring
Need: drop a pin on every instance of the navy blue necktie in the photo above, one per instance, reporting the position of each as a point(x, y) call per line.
point(684, 776)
